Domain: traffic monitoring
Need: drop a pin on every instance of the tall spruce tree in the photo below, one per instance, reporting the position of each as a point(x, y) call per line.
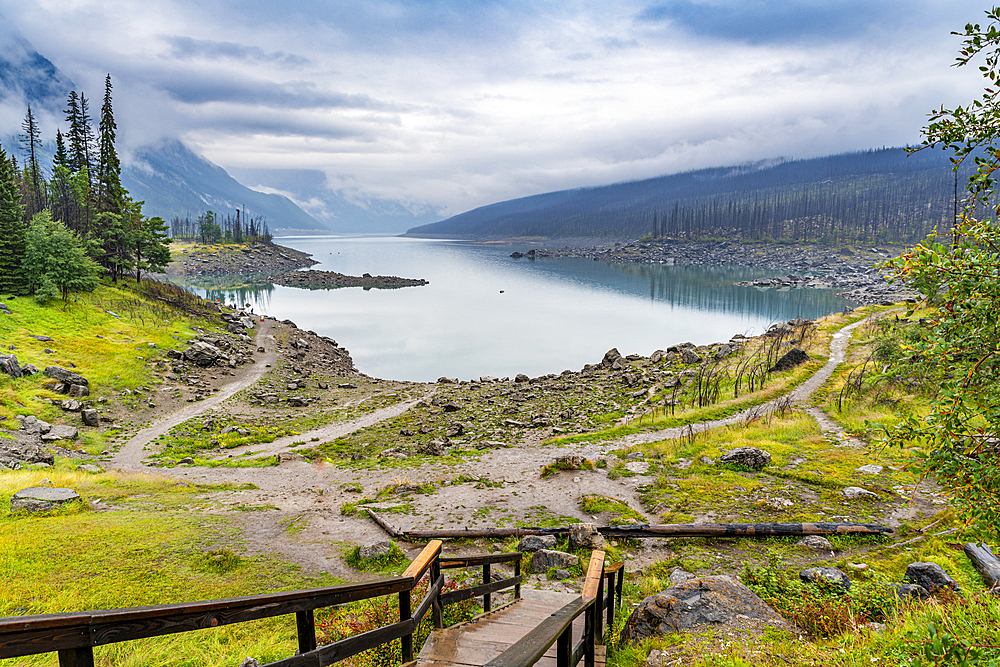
point(109, 187)
point(12, 229)
point(31, 144)
point(61, 158)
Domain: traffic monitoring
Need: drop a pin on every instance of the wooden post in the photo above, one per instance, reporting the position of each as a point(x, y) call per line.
point(618, 586)
point(436, 612)
point(591, 625)
point(305, 624)
point(610, 602)
point(405, 615)
point(517, 573)
point(77, 657)
point(486, 580)
point(564, 647)
point(599, 612)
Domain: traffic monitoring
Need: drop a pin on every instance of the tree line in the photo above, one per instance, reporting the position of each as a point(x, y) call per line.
point(210, 228)
point(60, 229)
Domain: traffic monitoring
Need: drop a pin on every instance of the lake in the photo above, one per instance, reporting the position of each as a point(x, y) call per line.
point(484, 313)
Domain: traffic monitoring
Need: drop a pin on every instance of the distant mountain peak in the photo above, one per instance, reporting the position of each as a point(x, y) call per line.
point(27, 75)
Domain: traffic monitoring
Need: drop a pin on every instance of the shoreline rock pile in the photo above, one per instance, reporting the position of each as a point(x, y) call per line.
point(223, 259)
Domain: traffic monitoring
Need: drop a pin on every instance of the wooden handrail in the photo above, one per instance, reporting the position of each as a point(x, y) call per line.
point(595, 574)
point(450, 562)
point(422, 562)
point(529, 649)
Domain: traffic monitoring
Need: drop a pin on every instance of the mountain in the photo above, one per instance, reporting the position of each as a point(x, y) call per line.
point(174, 181)
point(878, 195)
point(169, 177)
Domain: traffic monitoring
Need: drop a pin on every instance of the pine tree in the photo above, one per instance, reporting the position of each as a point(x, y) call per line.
point(109, 187)
point(31, 144)
point(12, 229)
point(61, 158)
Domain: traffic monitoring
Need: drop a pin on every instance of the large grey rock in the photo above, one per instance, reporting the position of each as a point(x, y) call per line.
point(689, 356)
point(585, 536)
point(90, 467)
point(832, 575)
point(679, 576)
point(533, 543)
point(77, 390)
point(32, 425)
point(21, 451)
point(369, 551)
point(910, 591)
point(41, 499)
point(792, 358)
point(855, 492)
point(60, 432)
point(748, 457)
point(65, 376)
point(71, 405)
point(9, 365)
point(695, 603)
point(202, 353)
point(611, 356)
point(90, 417)
point(545, 559)
point(931, 576)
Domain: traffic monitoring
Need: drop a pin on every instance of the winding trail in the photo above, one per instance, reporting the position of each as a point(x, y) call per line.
point(798, 396)
point(130, 455)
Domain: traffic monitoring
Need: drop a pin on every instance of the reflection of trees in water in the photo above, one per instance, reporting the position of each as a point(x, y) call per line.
point(711, 288)
point(240, 288)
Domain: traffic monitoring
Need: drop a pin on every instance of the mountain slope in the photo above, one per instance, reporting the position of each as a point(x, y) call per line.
point(871, 194)
point(174, 181)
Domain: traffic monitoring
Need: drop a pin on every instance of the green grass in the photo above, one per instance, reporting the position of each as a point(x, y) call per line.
point(153, 551)
point(392, 563)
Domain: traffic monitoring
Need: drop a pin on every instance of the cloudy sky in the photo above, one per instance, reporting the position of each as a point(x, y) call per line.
point(452, 104)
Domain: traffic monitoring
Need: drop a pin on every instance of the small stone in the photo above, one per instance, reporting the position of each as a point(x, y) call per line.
point(544, 559)
point(585, 536)
point(916, 591)
point(187, 460)
point(562, 574)
point(870, 469)
point(753, 458)
point(855, 492)
point(90, 467)
point(679, 576)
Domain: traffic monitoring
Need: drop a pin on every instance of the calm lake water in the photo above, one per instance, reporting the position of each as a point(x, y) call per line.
point(484, 313)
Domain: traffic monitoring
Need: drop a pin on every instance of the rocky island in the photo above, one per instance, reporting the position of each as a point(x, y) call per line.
point(332, 280)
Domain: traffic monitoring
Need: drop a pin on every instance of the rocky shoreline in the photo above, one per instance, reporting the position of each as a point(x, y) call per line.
point(238, 258)
point(851, 270)
point(332, 280)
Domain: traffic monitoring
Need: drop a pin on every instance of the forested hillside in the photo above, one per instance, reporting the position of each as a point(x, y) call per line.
point(871, 196)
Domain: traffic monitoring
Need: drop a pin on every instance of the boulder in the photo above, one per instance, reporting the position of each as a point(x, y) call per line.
point(931, 576)
point(533, 543)
point(832, 575)
point(71, 405)
point(679, 576)
point(202, 354)
point(699, 602)
point(77, 390)
point(855, 492)
point(817, 542)
point(285, 457)
point(90, 417)
point(870, 469)
point(748, 457)
point(60, 432)
point(610, 357)
point(9, 365)
point(42, 499)
point(521, 377)
point(451, 407)
point(297, 402)
point(65, 376)
point(689, 356)
point(585, 536)
point(916, 591)
point(571, 461)
point(376, 550)
point(32, 425)
point(21, 451)
point(29, 369)
point(792, 358)
point(545, 559)
point(435, 447)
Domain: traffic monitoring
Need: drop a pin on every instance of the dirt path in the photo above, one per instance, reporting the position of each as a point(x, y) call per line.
point(131, 454)
point(798, 396)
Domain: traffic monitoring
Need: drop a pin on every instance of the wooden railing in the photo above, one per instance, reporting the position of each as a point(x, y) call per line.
point(75, 635)
point(558, 628)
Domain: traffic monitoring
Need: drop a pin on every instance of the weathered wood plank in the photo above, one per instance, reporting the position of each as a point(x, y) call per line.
point(530, 648)
point(422, 562)
point(594, 573)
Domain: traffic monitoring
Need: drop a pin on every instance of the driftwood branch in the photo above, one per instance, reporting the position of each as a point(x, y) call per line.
point(394, 532)
point(985, 562)
point(664, 530)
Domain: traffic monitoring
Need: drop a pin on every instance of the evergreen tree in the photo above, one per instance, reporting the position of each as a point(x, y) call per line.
point(147, 241)
point(55, 256)
point(61, 158)
point(12, 229)
point(31, 144)
point(76, 135)
point(109, 187)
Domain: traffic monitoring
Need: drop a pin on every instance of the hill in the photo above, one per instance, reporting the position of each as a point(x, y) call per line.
point(877, 195)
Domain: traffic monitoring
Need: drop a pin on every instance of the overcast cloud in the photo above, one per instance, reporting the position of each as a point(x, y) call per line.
point(457, 104)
